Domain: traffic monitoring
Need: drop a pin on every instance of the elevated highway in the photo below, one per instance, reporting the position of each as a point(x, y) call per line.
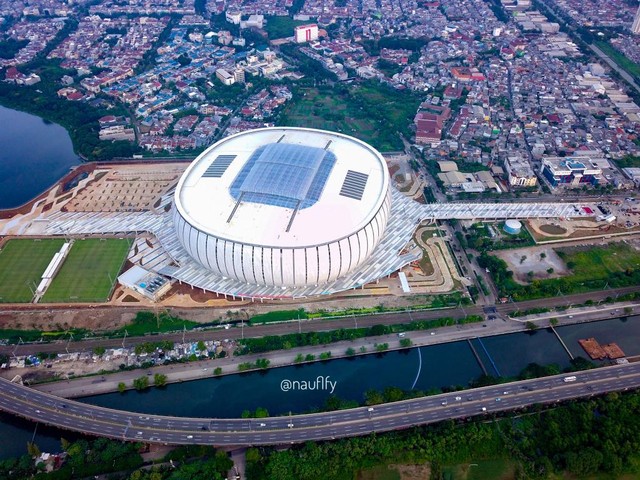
point(93, 420)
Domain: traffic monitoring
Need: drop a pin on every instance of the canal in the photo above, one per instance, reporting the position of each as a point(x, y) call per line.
point(437, 366)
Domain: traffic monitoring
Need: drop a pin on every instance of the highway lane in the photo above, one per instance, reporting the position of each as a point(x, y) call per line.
point(315, 325)
point(89, 419)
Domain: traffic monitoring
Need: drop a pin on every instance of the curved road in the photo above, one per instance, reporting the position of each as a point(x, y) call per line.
point(314, 325)
point(89, 419)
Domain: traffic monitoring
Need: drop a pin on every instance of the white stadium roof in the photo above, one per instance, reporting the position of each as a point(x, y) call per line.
point(283, 187)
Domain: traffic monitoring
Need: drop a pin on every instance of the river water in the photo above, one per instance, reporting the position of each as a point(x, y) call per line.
point(34, 155)
point(436, 366)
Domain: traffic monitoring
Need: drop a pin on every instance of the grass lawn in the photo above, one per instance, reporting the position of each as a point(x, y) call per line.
point(493, 469)
point(278, 316)
point(148, 322)
point(381, 472)
point(620, 58)
point(374, 115)
point(281, 27)
point(89, 271)
point(591, 263)
point(22, 262)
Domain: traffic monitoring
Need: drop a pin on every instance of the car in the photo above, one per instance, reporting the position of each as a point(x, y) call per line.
point(484, 409)
point(204, 428)
point(432, 333)
point(289, 425)
point(370, 409)
point(401, 334)
point(38, 411)
point(498, 399)
point(262, 425)
point(444, 403)
point(138, 433)
point(189, 436)
point(458, 399)
point(204, 369)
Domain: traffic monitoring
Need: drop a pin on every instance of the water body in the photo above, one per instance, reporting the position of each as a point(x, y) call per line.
point(34, 155)
point(435, 366)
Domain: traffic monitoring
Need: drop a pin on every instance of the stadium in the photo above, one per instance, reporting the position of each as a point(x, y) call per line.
point(281, 212)
point(283, 207)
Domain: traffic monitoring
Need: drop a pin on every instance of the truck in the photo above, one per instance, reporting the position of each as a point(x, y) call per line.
point(572, 378)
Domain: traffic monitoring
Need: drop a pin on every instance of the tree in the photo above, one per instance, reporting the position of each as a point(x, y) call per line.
point(33, 450)
point(121, 388)
point(141, 383)
point(531, 326)
point(263, 363)
point(373, 397)
point(299, 358)
point(350, 352)
point(201, 346)
point(64, 443)
point(160, 380)
point(217, 371)
point(261, 412)
point(405, 342)
point(553, 322)
point(99, 351)
point(381, 347)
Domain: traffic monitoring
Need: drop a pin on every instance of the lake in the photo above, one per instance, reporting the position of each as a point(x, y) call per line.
point(35, 154)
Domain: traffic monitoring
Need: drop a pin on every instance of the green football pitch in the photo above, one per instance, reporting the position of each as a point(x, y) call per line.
point(89, 271)
point(22, 263)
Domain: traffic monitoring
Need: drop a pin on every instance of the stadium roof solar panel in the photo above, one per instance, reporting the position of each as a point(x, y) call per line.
point(218, 166)
point(354, 185)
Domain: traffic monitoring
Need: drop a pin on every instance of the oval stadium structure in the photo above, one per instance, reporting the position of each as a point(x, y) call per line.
point(283, 206)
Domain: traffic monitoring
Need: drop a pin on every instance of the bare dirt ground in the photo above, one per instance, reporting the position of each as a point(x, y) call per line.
point(111, 317)
point(413, 472)
point(63, 369)
point(521, 261)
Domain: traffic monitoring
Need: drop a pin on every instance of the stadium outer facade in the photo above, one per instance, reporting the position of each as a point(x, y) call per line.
point(284, 207)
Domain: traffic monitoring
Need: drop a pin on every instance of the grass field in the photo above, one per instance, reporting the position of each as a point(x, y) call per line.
point(89, 271)
point(620, 58)
point(281, 27)
point(147, 322)
point(374, 115)
point(493, 469)
point(22, 262)
point(591, 263)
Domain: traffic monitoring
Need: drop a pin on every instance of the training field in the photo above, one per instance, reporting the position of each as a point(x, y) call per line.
point(22, 262)
point(89, 271)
